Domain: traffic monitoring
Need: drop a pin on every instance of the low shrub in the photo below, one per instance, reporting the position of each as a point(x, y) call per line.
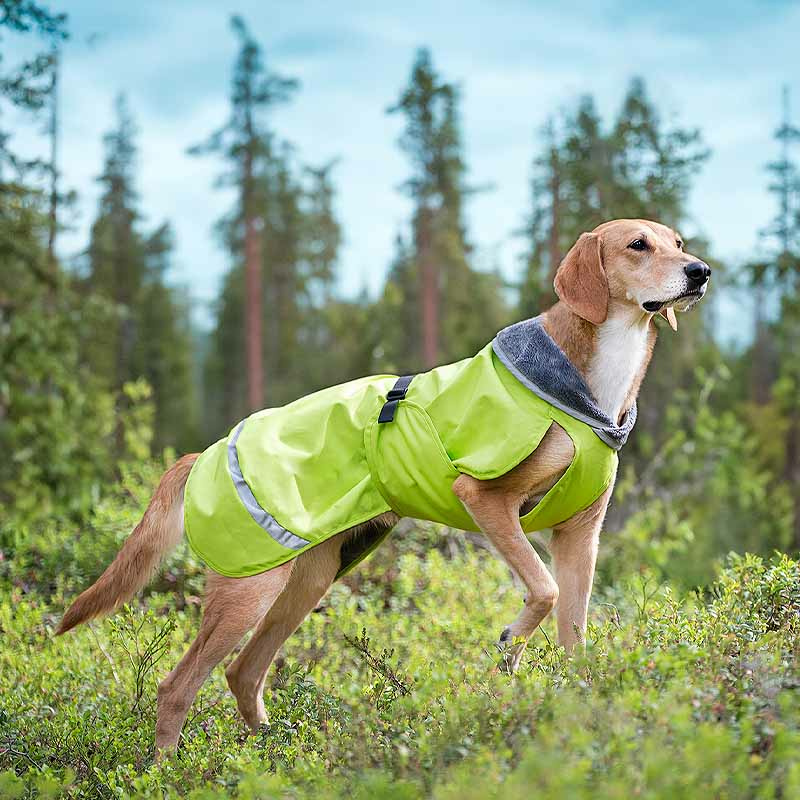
point(390, 692)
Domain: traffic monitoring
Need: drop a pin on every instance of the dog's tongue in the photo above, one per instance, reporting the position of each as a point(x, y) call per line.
point(669, 315)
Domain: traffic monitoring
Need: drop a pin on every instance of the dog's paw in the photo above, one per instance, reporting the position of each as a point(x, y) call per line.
point(511, 648)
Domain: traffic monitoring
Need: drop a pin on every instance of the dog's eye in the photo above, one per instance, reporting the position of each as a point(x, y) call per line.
point(679, 244)
point(638, 244)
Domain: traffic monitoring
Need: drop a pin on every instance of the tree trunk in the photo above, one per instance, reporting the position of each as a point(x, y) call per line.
point(792, 470)
point(760, 368)
point(554, 248)
point(126, 330)
point(53, 215)
point(255, 364)
point(429, 289)
point(252, 267)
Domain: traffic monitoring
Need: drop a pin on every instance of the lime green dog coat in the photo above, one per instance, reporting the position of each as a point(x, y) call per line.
point(288, 478)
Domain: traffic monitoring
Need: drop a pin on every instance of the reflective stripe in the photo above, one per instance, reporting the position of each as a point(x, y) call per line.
point(262, 518)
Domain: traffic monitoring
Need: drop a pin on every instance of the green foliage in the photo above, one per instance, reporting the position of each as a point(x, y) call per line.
point(57, 415)
point(27, 85)
point(679, 695)
point(147, 332)
point(388, 686)
point(700, 488)
point(49, 552)
point(128, 633)
point(57, 419)
point(774, 368)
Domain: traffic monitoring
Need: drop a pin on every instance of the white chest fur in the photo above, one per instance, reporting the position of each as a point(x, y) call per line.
point(621, 348)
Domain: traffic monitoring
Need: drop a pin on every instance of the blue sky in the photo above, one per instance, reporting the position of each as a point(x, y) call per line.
point(718, 66)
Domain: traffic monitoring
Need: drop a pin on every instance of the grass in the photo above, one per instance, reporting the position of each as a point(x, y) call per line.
point(388, 692)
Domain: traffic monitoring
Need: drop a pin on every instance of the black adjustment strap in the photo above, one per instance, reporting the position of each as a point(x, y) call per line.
point(396, 394)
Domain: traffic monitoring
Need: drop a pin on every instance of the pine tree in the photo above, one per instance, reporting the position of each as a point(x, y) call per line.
point(425, 104)
point(150, 334)
point(163, 352)
point(27, 87)
point(652, 165)
point(322, 235)
point(586, 175)
point(116, 256)
point(448, 291)
point(245, 143)
point(543, 227)
point(587, 187)
point(284, 230)
point(400, 342)
point(302, 237)
point(299, 238)
point(54, 414)
point(775, 361)
point(53, 133)
point(782, 271)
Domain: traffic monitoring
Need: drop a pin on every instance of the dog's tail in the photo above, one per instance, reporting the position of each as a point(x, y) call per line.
point(152, 539)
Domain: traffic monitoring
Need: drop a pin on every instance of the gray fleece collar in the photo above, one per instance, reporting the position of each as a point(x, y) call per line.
point(535, 360)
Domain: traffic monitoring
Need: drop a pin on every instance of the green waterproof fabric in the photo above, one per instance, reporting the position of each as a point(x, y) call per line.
point(323, 464)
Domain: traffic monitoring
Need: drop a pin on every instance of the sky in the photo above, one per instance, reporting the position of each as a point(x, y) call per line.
point(713, 65)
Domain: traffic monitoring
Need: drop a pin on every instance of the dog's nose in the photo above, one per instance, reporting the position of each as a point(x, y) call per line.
point(697, 272)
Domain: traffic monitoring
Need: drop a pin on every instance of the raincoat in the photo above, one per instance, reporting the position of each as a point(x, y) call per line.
point(286, 479)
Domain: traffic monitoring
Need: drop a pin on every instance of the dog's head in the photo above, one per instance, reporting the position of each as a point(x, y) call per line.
point(634, 262)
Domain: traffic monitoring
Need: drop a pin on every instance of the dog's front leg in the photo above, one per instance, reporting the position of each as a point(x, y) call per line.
point(497, 514)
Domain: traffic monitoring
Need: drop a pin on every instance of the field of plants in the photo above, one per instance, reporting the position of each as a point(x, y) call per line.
point(390, 691)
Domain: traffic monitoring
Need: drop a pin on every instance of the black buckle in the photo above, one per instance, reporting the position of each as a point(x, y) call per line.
point(396, 394)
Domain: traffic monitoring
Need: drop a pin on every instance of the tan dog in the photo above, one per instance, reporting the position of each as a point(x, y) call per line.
point(610, 285)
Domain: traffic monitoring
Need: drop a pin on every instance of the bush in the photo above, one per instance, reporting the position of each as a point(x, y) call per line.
point(705, 488)
point(391, 693)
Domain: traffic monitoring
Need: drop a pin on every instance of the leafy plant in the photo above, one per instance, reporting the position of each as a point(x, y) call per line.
point(145, 641)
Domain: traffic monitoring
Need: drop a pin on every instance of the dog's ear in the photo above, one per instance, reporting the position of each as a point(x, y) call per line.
point(581, 282)
point(669, 315)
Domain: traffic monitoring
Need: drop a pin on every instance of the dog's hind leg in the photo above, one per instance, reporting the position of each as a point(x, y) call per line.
point(233, 606)
point(313, 574)
point(574, 550)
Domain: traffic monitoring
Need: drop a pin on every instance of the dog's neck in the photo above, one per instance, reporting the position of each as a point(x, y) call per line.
point(612, 357)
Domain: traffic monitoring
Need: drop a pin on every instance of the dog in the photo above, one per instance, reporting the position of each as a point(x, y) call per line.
point(610, 286)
